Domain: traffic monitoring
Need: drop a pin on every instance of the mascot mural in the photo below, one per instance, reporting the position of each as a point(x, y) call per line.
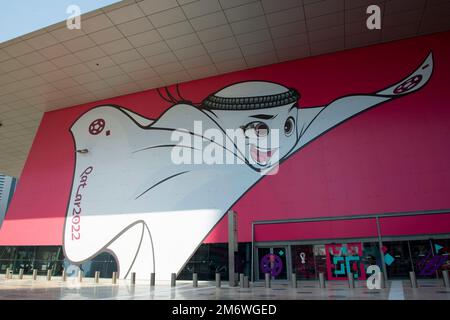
point(130, 199)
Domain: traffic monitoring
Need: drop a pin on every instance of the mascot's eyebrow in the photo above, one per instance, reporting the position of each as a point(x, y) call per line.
point(264, 116)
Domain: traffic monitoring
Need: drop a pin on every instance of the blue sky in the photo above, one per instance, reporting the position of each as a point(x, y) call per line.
point(19, 17)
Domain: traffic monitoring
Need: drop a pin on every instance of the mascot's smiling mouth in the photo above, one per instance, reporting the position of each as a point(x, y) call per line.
point(260, 156)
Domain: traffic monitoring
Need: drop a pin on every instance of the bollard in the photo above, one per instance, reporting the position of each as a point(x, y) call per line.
point(351, 281)
point(322, 280)
point(173, 279)
point(80, 276)
point(294, 280)
point(49, 274)
point(446, 278)
point(413, 279)
point(34, 274)
point(382, 281)
point(232, 281)
point(114, 277)
point(267, 280)
point(20, 274)
point(218, 281)
point(195, 280)
point(236, 277)
point(246, 283)
point(133, 278)
point(7, 273)
point(97, 276)
point(241, 280)
point(152, 279)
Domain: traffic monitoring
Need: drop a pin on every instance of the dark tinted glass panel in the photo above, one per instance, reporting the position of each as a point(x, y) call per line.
point(262, 252)
point(400, 265)
point(303, 263)
point(281, 253)
point(441, 259)
point(105, 263)
point(206, 261)
point(423, 258)
point(371, 255)
point(320, 259)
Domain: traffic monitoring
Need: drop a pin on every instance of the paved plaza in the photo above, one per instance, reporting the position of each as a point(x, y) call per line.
point(71, 289)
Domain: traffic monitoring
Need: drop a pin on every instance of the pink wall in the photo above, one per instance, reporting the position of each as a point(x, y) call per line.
point(392, 158)
point(428, 224)
point(316, 230)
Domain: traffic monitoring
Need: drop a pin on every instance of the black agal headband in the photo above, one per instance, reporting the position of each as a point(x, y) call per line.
point(250, 103)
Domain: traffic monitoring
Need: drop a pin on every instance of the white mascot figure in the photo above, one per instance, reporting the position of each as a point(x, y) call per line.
point(131, 198)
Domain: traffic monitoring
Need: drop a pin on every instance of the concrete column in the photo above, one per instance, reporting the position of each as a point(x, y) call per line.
point(64, 275)
point(294, 280)
point(241, 280)
point(97, 276)
point(133, 278)
point(267, 280)
point(20, 273)
point(446, 279)
point(49, 275)
point(7, 273)
point(195, 280)
point(152, 279)
point(322, 280)
point(114, 277)
point(80, 276)
point(173, 279)
point(218, 280)
point(413, 279)
point(34, 274)
point(232, 247)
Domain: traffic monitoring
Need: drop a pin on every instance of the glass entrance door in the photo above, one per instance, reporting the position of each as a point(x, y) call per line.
point(272, 260)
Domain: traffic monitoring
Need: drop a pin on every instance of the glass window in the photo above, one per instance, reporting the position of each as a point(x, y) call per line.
point(48, 258)
point(422, 258)
point(272, 260)
point(262, 252)
point(206, 261)
point(6, 258)
point(343, 259)
point(320, 259)
point(303, 263)
point(243, 258)
point(104, 262)
point(23, 259)
point(441, 249)
point(401, 264)
point(371, 254)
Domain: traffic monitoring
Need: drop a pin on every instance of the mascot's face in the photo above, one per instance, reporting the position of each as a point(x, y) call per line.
point(263, 136)
point(262, 117)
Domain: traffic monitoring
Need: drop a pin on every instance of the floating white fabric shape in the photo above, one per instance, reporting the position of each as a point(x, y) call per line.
point(129, 198)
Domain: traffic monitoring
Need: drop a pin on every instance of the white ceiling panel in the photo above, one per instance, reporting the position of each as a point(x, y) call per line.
point(135, 45)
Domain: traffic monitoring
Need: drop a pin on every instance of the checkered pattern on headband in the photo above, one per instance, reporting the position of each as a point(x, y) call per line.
point(250, 103)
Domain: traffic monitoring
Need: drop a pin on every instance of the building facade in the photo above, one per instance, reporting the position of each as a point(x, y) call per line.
point(357, 175)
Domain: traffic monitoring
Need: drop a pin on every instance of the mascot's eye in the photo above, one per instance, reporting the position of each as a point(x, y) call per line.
point(258, 128)
point(289, 126)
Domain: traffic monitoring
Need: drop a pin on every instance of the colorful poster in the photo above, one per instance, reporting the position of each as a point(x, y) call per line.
point(343, 259)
